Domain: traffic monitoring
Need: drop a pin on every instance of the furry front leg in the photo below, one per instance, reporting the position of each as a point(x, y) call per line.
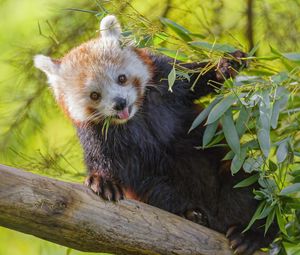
point(107, 188)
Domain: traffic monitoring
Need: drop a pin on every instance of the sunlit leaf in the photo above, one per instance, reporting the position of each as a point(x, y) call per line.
point(198, 35)
point(178, 29)
point(291, 248)
point(174, 54)
point(294, 188)
point(254, 49)
point(159, 38)
point(279, 78)
point(213, 47)
point(272, 166)
point(293, 56)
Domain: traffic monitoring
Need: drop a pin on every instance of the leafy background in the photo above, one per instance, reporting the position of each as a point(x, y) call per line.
point(34, 134)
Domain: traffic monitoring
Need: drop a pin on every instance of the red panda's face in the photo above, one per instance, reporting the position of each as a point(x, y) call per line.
point(99, 79)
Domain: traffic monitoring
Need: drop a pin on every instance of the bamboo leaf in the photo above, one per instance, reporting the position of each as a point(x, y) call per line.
point(252, 164)
point(293, 56)
point(264, 123)
point(171, 78)
point(264, 141)
point(242, 121)
point(209, 132)
point(282, 96)
point(178, 55)
point(282, 152)
point(229, 155)
point(255, 216)
point(238, 161)
point(178, 29)
point(294, 188)
point(272, 166)
point(203, 115)
point(275, 114)
point(248, 181)
point(213, 46)
point(265, 212)
point(220, 108)
point(230, 132)
point(269, 220)
point(198, 35)
point(280, 221)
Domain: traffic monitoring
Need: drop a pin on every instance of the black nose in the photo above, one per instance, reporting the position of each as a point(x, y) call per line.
point(120, 103)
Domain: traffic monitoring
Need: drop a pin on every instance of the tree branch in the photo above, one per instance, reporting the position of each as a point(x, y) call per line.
point(70, 214)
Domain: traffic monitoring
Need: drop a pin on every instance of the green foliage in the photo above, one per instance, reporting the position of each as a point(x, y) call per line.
point(260, 122)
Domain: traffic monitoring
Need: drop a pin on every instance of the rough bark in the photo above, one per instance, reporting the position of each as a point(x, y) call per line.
point(70, 214)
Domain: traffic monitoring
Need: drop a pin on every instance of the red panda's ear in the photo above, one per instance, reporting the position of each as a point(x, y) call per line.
point(110, 28)
point(49, 66)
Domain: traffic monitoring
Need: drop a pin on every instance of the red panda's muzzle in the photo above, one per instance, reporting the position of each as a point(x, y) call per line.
point(125, 113)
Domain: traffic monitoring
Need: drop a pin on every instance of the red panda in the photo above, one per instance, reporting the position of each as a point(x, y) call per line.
point(146, 153)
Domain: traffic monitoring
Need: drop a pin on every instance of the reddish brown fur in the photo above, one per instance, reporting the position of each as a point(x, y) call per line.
point(144, 56)
point(130, 194)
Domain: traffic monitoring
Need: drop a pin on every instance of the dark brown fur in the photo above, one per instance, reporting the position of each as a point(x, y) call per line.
point(152, 158)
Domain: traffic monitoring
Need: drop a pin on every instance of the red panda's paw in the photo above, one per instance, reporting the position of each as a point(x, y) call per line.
point(106, 188)
point(196, 216)
point(230, 65)
point(243, 243)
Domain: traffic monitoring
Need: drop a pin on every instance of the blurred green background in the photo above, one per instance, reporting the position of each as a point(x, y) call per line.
point(35, 135)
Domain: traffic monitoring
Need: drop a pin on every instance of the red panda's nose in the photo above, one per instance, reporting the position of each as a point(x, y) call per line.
point(120, 103)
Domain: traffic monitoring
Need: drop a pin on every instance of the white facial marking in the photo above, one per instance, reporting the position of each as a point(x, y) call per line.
point(95, 67)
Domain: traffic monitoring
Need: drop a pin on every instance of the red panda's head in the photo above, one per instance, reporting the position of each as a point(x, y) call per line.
point(100, 78)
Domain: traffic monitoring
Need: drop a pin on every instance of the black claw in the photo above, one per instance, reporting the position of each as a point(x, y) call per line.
point(196, 216)
point(244, 243)
point(230, 231)
point(236, 242)
point(106, 189)
point(241, 249)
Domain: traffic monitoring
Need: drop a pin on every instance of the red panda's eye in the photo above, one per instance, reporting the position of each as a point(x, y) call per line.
point(122, 79)
point(95, 96)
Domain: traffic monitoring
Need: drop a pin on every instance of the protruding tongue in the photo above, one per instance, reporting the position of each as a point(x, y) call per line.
point(123, 114)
